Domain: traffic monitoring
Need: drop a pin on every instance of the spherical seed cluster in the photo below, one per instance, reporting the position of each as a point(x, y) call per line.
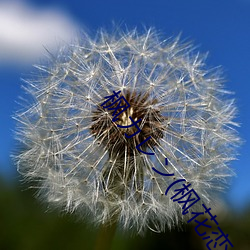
point(83, 161)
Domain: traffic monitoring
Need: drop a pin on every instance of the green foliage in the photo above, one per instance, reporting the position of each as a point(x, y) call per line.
point(26, 226)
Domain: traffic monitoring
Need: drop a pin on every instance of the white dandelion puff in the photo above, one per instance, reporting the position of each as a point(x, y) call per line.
point(82, 160)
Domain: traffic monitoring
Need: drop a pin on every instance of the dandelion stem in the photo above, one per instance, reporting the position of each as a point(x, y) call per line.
point(105, 236)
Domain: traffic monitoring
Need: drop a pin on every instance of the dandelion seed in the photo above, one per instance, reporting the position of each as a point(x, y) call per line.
point(86, 162)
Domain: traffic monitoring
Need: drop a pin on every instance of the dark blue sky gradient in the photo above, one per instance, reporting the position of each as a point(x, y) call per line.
point(221, 27)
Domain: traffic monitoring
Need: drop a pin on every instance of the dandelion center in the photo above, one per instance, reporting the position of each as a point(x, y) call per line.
point(109, 134)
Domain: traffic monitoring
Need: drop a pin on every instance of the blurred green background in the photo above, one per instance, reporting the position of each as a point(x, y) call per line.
point(27, 225)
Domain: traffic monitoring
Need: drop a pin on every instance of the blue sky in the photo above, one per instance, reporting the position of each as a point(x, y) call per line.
point(221, 27)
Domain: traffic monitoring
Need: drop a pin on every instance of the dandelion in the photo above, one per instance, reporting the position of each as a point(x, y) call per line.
point(82, 161)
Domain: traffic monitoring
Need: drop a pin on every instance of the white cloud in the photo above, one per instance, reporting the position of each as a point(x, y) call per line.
point(25, 31)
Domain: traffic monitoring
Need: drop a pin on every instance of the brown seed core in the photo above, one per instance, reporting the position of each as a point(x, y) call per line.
point(113, 138)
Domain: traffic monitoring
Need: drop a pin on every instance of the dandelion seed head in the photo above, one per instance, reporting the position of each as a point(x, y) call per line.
point(83, 162)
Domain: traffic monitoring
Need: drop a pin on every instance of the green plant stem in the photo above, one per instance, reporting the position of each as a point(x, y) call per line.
point(105, 236)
